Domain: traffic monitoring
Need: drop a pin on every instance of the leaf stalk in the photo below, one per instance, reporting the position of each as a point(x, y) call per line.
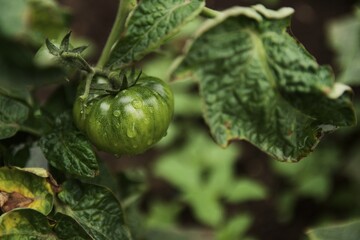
point(125, 7)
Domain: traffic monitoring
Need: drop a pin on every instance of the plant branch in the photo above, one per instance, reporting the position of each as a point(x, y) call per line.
point(31, 130)
point(209, 13)
point(76, 56)
point(118, 28)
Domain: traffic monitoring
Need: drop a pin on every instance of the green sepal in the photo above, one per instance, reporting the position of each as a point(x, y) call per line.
point(65, 42)
point(54, 50)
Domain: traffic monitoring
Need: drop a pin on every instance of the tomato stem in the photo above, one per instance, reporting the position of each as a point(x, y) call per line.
point(87, 86)
point(209, 13)
point(118, 28)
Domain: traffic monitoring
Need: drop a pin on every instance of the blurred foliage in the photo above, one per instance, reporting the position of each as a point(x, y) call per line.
point(24, 24)
point(305, 179)
point(344, 37)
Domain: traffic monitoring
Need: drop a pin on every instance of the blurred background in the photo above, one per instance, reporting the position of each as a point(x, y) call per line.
point(187, 187)
point(192, 189)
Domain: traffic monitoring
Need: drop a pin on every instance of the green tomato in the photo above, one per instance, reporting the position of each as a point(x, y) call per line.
point(129, 122)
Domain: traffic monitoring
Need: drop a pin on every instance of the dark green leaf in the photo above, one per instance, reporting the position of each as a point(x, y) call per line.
point(68, 150)
point(104, 178)
point(25, 224)
point(348, 231)
point(67, 228)
point(71, 152)
point(261, 85)
point(96, 209)
point(150, 25)
point(19, 75)
point(12, 114)
point(61, 100)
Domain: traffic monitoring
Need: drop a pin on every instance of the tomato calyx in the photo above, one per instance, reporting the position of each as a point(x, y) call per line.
point(122, 80)
point(114, 82)
point(67, 54)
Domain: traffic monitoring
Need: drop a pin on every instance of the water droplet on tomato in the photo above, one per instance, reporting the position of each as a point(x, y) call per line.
point(137, 104)
point(116, 113)
point(131, 132)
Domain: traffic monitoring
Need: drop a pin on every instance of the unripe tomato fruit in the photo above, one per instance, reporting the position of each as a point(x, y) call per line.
point(130, 121)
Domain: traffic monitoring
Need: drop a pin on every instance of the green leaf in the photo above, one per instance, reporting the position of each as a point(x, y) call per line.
point(305, 178)
point(12, 114)
point(347, 231)
point(26, 189)
point(197, 172)
point(178, 234)
point(344, 38)
point(12, 17)
point(259, 84)
point(19, 74)
point(67, 149)
point(162, 215)
point(184, 167)
point(61, 100)
point(245, 190)
point(24, 24)
point(206, 207)
point(31, 20)
point(67, 228)
point(95, 208)
point(235, 228)
point(25, 224)
point(151, 24)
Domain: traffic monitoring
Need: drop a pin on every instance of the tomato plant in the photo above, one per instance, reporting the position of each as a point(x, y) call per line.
point(167, 67)
point(129, 121)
